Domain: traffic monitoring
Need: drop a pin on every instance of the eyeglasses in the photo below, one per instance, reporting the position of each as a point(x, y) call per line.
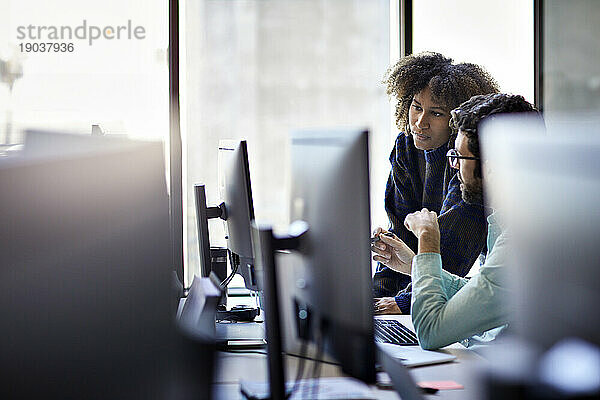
point(453, 158)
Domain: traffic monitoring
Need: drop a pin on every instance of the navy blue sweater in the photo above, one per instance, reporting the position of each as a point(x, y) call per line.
point(421, 179)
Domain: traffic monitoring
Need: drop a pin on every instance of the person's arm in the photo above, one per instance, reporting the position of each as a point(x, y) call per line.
point(403, 300)
point(447, 308)
point(392, 252)
point(400, 200)
point(403, 189)
point(463, 229)
point(387, 282)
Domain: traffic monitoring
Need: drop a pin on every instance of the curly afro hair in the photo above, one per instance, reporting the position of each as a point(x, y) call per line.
point(450, 84)
point(469, 114)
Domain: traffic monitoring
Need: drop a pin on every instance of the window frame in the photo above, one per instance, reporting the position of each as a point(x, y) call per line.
point(175, 147)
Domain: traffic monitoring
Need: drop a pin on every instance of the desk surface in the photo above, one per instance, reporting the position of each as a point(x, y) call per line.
point(253, 366)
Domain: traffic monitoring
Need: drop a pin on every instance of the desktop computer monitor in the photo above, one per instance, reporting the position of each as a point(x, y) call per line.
point(330, 192)
point(545, 183)
point(236, 193)
point(333, 291)
point(331, 295)
point(548, 187)
point(43, 143)
point(236, 209)
point(85, 274)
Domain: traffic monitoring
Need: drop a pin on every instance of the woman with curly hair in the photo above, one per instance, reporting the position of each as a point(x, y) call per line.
point(427, 86)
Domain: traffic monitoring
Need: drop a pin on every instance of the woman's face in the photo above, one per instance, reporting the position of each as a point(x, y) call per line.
point(428, 121)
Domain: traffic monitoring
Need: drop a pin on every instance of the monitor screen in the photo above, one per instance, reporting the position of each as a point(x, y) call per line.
point(330, 191)
point(236, 193)
point(548, 189)
point(86, 266)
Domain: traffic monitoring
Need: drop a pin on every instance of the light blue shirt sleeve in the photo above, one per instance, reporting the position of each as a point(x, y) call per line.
point(447, 308)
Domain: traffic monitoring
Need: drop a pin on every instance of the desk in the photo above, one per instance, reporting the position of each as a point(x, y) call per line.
point(233, 367)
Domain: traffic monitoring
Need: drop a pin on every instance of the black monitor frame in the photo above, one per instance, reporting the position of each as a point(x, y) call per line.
point(236, 215)
point(203, 214)
point(347, 148)
point(265, 257)
point(86, 254)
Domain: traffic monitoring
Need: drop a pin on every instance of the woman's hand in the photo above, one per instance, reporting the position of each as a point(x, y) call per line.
point(386, 305)
point(392, 252)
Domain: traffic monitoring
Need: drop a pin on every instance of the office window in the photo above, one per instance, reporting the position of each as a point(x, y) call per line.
point(496, 34)
point(571, 57)
point(258, 69)
point(120, 83)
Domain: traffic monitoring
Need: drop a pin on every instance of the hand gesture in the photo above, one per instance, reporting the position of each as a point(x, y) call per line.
point(392, 252)
point(424, 225)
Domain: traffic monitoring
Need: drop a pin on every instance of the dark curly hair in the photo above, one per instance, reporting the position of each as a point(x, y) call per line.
point(469, 114)
point(450, 84)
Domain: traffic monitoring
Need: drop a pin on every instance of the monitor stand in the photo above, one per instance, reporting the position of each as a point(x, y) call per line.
point(242, 326)
point(268, 244)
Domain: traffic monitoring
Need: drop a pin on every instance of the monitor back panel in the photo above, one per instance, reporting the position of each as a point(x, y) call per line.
point(84, 277)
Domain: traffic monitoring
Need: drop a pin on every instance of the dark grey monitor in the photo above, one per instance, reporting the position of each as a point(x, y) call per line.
point(332, 296)
point(548, 187)
point(330, 239)
point(85, 274)
point(330, 191)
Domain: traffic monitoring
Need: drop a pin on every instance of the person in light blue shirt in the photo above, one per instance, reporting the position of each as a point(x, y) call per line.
point(447, 308)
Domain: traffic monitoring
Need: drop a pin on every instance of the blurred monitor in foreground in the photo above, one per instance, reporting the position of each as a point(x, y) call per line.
point(86, 273)
point(49, 144)
point(549, 187)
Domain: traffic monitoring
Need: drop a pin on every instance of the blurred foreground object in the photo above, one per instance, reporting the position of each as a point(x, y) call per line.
point(85, 283)
point(548, 181)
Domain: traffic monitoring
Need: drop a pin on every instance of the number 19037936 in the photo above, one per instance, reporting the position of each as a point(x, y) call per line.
point(47, 47)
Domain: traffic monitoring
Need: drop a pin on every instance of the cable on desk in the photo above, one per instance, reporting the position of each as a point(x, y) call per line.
point(305, 357)
point(313, 359)
point(299, 372)
point(317, 367)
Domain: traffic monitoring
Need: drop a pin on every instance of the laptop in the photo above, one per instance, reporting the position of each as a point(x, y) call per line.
point(400, 342)
point(415, 356)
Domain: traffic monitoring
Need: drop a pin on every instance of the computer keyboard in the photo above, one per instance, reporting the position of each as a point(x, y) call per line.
point(392, 331)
